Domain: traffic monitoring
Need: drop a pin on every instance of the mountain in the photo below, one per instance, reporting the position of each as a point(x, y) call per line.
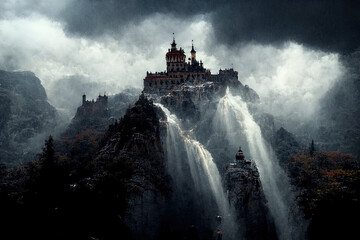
point(91, 198)
point(118, 184)
point(26, 116)
point(161, 165)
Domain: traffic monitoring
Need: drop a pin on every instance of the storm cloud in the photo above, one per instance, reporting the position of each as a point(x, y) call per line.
point(326, 25)
point(289, 48)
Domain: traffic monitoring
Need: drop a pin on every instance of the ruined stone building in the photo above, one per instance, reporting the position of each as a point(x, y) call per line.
point(89, 108)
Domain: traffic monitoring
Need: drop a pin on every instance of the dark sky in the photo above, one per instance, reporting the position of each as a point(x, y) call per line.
point(288, 51)
point(330, 25)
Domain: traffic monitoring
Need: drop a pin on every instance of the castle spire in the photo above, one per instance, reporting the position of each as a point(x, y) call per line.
point(193, 53)
point(192, 47)
point(173, 44)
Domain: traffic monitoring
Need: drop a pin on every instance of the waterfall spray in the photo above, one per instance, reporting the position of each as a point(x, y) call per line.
point(203, 170)
point(235, 121)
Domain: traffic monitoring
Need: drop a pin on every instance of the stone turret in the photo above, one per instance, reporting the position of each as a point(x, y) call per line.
point(193, 53)
point(239, 155)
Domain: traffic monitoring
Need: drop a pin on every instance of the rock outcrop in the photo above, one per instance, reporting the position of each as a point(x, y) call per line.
point(246, 195)
point(136, 139)
point(117, 191)
point(190, 102)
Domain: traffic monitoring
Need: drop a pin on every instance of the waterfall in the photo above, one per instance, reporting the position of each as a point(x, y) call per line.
point(192, 169)
point(234, 121)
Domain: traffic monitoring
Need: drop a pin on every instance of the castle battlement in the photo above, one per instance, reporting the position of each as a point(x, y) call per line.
point(179, 71)
point(92, 107)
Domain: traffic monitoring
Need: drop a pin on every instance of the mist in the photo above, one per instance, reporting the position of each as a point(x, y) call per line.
point(95, 66)
point(289, 78)
point(301, 58)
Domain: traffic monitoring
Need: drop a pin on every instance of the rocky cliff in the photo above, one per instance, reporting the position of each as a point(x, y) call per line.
point(117, 191)
point(26, 117)
point(246, 195)
point(196, 107)
point(136, 139)
point(190, 101)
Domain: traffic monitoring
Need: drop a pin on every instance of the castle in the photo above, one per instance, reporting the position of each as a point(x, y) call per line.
point(93, 107)
point(178, 72)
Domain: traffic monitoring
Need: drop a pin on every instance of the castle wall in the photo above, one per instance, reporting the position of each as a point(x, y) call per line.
point(179, 72)
point(89, 108)
point(155, 83)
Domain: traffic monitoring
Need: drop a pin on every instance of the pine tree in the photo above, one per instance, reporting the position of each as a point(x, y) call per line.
point(47, 157)
point(312, 148)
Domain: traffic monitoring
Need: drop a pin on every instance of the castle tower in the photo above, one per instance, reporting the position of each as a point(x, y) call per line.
point(175, 58)
point(193, 53)
point(239, 155)
point(173, 44)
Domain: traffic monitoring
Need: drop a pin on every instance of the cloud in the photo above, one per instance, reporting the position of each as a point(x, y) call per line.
point(326, 25)
point(291, 80)
point(290, 77)
point(41, 45)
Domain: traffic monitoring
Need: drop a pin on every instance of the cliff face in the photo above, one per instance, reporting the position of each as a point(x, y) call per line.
point(196, 106)
point(191, 102)
point(246, 195)
point(25, 116)
point(113, 188)
point(136, 139)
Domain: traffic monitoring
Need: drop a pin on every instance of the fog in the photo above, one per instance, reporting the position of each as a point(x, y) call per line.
point(289, 77)
point(109, 64)
point(301, 58)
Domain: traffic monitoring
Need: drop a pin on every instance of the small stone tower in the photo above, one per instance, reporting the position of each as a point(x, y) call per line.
point(239, 155)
